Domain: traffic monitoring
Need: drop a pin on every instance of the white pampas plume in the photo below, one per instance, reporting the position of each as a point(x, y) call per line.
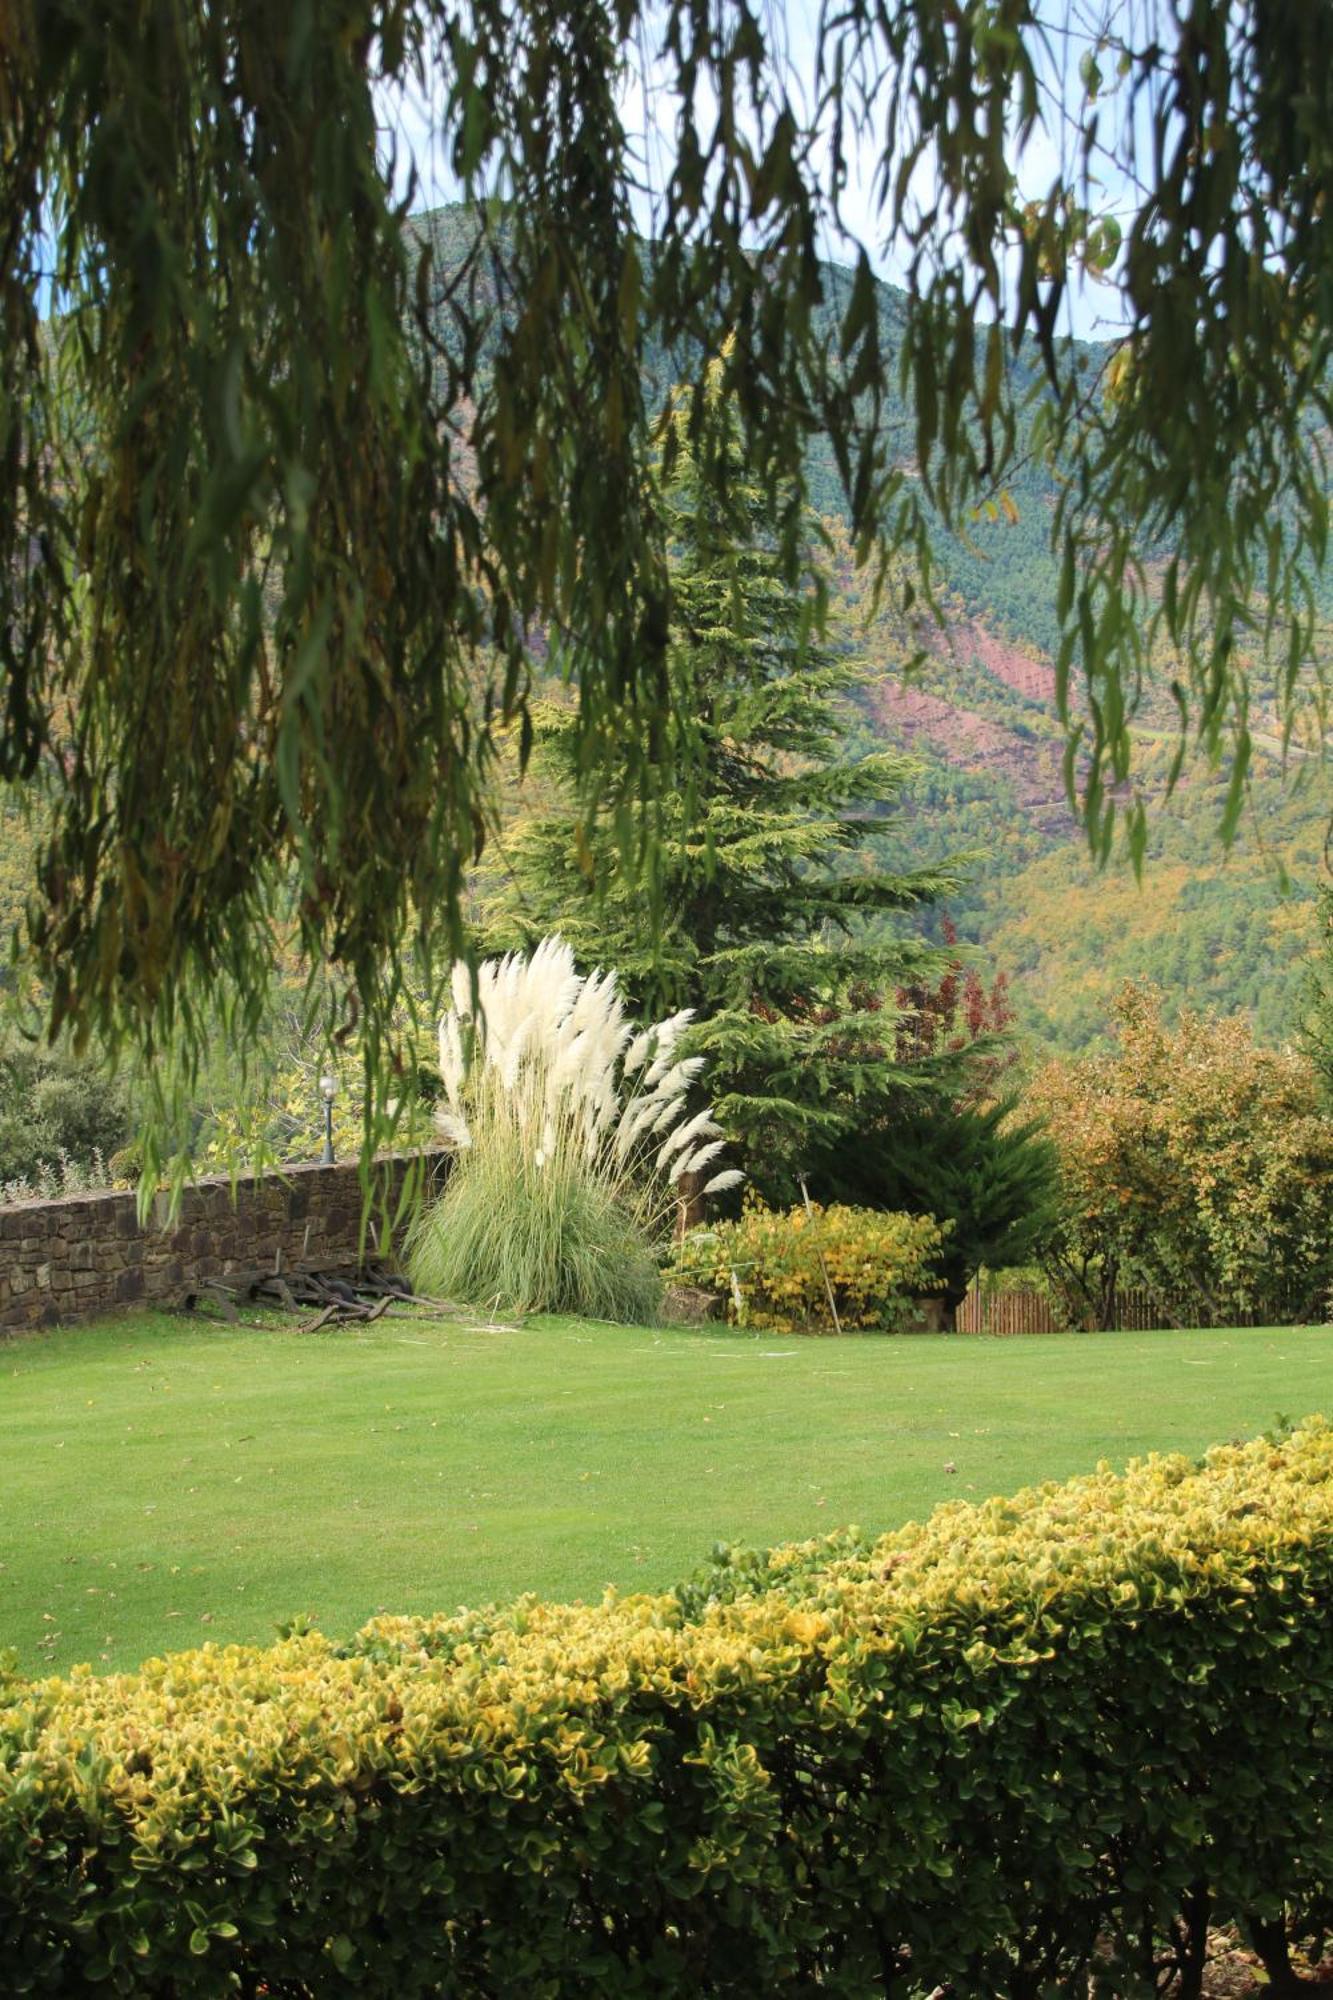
point(670, 1109)
point(730, 1179)
point(509, 1061)
point(670, 1092)
point(699, 1127)
point(668, 1033)
point(639, 1047)
point(595, 999)
point(452, 1067)
point(562, 1072)
point(534, 1053)
point(634, 1125)
point(460, 987)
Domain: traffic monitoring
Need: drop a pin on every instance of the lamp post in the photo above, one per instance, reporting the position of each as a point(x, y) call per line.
point(327, 1086)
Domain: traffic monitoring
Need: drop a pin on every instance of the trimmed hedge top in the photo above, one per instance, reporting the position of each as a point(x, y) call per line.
point(1021, 1739)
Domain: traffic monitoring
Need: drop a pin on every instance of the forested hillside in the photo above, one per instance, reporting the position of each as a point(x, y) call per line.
point(1228, 931)
point(1223, 929)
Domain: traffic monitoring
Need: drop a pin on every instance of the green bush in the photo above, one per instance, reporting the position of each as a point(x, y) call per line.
point(126, 1165)
point(775, 1268)
point(1193, 1163)
point(1028, 1742)
point(993, 1177)
point(55, 1113)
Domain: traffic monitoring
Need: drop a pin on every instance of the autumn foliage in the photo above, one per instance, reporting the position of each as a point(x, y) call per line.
point(788, 1270)
point(954, 1014)
point(1195, 1162)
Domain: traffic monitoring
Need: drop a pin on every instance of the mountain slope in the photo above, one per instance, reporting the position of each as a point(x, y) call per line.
point(1215, 928)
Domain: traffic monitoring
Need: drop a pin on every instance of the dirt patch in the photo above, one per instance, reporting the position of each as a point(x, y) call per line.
point(973, 742)
point(1026, 673)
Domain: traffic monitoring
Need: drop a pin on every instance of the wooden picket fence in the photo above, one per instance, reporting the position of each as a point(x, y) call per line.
point(1007, 1312)
point(1137, 1311)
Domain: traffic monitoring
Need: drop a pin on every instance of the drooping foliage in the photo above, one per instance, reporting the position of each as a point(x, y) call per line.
point(252, 617)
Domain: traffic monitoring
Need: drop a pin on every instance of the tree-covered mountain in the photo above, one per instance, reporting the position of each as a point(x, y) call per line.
point(1227, 927)
point(1220, 927)
point(1223, 929)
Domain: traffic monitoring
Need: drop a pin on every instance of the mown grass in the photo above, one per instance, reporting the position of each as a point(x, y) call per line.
point(169, 1481)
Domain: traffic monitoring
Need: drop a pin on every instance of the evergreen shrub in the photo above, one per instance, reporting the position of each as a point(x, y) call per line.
point(1028, 1741)
point(775, 1268)
point(992, 1177)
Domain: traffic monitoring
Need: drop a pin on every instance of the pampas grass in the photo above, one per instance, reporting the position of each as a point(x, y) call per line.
point(569, 1128)
point(516, 1242)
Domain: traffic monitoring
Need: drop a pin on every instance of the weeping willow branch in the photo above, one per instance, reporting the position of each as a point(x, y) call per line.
point(285, 494)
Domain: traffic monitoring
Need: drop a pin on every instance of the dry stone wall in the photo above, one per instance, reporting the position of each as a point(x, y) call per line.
point(87, 1254)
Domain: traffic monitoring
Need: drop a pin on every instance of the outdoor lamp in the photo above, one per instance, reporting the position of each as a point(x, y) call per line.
point(327, 1086)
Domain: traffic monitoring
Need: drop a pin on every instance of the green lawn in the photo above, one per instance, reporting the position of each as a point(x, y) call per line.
point(169, 1481)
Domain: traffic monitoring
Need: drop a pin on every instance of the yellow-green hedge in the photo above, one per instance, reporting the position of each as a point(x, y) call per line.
point(1026, 1738)
point(775, 1268)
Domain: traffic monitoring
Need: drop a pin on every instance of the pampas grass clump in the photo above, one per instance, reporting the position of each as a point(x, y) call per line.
point(570, 1134)
point(512, 1242)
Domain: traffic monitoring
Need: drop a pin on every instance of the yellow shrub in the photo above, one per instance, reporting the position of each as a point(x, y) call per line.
point(1029, 1743)
point(776, 1269)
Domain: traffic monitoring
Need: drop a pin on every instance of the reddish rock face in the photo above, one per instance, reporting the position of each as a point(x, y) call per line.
point(978, 743)
point(1033, 678)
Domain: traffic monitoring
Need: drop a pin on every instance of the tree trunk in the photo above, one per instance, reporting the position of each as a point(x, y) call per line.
point(1191, 1941)
point(689, 1203)
point(1269, 1938)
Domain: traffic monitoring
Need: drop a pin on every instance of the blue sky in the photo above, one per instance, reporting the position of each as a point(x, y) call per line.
point(413, 121)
